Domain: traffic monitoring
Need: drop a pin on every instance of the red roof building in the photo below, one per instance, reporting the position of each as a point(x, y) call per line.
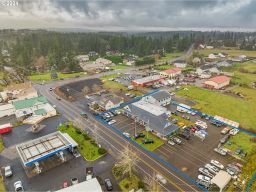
point(173, 72)
point(217, 82)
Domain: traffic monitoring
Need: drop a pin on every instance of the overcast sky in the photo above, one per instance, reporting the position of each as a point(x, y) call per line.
point(151, 15)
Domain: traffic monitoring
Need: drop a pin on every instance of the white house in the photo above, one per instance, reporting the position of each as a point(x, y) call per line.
point(171, 73)
point(103, 61)
point(217, 82)
point(160, 98)
point(180, 64)
point(212, 56)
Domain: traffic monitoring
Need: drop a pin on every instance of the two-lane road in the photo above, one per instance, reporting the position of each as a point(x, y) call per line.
point(115, 143)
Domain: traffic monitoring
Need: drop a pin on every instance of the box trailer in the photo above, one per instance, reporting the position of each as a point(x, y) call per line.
point(183, 108)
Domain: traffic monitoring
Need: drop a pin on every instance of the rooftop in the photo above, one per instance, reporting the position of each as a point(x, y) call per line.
point(172, 70)
point(160, 95)
point(43, 147)
point(151, 108)
point(219, 79)
point(148, 79)
point(26, 103)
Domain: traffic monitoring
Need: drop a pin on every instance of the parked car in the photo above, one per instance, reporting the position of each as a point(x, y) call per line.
point(50, 89)
point(18, 186)
point(74, 181)
point(203, 183)
point(204, 178)
point(233, 131)
point(140, 135)
point(217, 164)
point(107, 115)
point(8, 171)
point(126, 134)
point(225, 130)
point(161, 179)
point(221, 151)
point(83, 114)
point(224, 139)
point(58, 98)
point(238, 151)
point(177, 140)
point(148, 141)
point(243, 154)
point(186, 134)
point(111, 122)
point(108, 184)
point(214, 170)
point(171, 142)
point(205, 172)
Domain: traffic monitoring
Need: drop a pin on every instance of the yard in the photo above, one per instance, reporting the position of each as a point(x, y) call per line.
point(180, 119)
point(130, 183)
point(106, 77)
point(231, 52)
point(151, 147)
point(164, 67)
point(119, 67)
point(215, 103)
point(169, 56)
point(241, 140)
point(87, 146)
point(47, 76)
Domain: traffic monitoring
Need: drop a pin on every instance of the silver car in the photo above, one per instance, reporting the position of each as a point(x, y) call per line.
point(8, 171)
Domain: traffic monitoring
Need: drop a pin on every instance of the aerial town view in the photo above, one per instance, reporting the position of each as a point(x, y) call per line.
point(128, 96)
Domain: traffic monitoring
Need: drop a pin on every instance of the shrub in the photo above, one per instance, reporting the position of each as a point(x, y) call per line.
point(127, 185)
point(78, 131)
point(141, 185)
point(102, 151)
point(86, 137)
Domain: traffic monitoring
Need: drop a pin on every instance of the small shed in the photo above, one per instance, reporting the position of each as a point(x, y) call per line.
point(221, 179)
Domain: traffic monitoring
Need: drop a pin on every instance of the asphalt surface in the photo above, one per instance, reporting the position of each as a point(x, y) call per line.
point(115, 142)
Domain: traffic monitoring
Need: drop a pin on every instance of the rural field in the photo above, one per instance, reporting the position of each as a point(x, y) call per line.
point(231, 52)
point(47, 76)
point(233, 108)
point(169, 56)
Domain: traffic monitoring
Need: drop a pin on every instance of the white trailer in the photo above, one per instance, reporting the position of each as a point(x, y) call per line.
point(183, 108)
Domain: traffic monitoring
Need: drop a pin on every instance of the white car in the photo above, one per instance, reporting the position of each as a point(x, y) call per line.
point(107, 115)
point(161, 179)
point(126, 134)
point(217, 164)
point(111, 122)
point(204, 178)
point(8, 171)
point(233, 131)
point(18, 186)
point(171, 142)
point(211, 168)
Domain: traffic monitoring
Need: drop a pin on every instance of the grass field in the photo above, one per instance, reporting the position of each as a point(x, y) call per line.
point(231, 52)
point(151, 147)
point(2, 187)
point(169, 56)
point(241, 140)
point(129, 183)
point(215, 103)
point(47, 76)
point(106, 77)
point(185, 121)
point(1, 145)
point(119, 67)
point(87, 147)
point(164, 67)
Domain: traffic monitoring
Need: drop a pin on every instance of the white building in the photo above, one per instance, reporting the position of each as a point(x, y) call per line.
point(103, 61)
point(6, 110)
point(161, 98)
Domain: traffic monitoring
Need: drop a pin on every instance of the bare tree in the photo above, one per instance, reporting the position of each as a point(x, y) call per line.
point(86, 90)
point(96, 88)
point(152, 183)
point(127, 161)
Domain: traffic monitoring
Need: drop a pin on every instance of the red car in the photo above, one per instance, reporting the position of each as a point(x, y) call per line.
point(6, 128)
point(65, 184)
point(193, 129)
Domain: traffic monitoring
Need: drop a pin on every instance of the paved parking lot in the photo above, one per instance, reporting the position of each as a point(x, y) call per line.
point(53, 179)
point(189, 156)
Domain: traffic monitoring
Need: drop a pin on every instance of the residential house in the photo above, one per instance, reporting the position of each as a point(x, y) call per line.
point(103, 61)
point(212, 56)
point(82, 58)
point(148, 81)
point(171, 73)
point(223, 64)
point(180, 64)
point(196, 61)
point(160, 98)
point(93, 54)
point(240, 58)
point(207, 69)
point(106, 101)
point(153, 117)
point(217, 82)
point(34, 108)
point(209, 47)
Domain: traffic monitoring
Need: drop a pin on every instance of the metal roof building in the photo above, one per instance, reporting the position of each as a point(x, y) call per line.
point(43, 147)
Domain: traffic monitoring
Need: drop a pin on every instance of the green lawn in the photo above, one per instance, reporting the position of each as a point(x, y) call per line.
point(248, 93)
point(119, 67)
point(243, 79)
point(1, 145)
point(113, 85)
point(164, 67)
point(129, 183)
point(241, 140)
point(47, 76)
point(87, 146)
point(231, 52)
point(169, 56)
point(180, 119)
point(215, 103)
point(151, 147)
point(2, 187)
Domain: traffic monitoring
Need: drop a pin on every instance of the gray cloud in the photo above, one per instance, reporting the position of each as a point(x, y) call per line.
point(131, 15)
